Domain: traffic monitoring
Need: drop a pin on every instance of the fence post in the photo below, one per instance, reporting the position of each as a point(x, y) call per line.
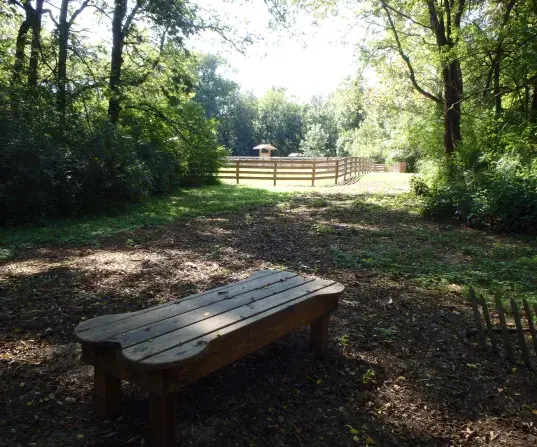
point(477, 318)
point(313, 173)
point(237, 170)
point(520, 332)
point(337, 169)
point(275, 171)
point(345, 175)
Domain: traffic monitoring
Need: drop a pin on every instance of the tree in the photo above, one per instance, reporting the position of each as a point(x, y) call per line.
point(279, 121)
point(315, 142)
point(442, 21)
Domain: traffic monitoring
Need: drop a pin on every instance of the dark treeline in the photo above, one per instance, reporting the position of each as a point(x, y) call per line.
point(87, 121)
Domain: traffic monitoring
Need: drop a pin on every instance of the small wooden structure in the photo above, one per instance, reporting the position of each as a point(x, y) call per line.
point(165, 347)
point(489, 329)
point(399, 166)
point(265, 150)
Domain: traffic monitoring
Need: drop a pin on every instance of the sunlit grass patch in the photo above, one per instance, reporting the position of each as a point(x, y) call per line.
point(392, 239)
point(185, 204)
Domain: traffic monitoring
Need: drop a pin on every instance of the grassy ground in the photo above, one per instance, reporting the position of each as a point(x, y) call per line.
point(399, 371)
point(185, 204)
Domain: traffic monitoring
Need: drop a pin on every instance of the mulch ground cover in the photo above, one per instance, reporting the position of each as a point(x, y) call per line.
point(399, 371)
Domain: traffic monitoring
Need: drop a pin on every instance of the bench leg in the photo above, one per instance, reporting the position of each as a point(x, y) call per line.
point(107, 394)
point(162, 420)
point(319, 335)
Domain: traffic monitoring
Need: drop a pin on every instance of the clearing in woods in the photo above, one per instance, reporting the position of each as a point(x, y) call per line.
point(398, 371)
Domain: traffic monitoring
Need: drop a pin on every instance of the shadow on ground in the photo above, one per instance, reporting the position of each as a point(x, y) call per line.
point(398, 373)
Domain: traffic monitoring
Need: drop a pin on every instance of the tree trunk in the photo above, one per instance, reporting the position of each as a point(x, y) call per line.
point(63, 38)
point(533, 106)
point(36, 45)
point(18, 66)
point(496, 83)
point(452, 107)
point(118, 41)
point(19, 52)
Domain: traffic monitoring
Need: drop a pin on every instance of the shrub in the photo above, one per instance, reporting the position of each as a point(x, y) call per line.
point(500, 200)
point(43, 175)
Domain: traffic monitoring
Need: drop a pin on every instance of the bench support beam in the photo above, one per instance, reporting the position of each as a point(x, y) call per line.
point(319, 335)
point(107, 394)
point(162, 411)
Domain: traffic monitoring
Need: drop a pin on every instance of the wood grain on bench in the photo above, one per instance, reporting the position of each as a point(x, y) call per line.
point(165, 347)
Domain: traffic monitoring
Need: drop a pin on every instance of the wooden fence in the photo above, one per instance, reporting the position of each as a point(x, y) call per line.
point(490, 329)
point(286, 168)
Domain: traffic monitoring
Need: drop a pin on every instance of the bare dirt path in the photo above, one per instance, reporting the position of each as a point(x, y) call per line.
point(398, 372)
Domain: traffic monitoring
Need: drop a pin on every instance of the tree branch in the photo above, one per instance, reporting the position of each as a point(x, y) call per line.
point(406, 59)
point(406, 16)
point(77, 12)
point(130, 18)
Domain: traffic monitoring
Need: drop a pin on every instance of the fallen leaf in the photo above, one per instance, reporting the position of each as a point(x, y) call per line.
point(352, 430)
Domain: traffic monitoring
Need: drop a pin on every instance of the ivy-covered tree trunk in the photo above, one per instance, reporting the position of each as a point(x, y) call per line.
point(36, 45)
point(533, 106)
point(118, 41)
point(18, 66)
point(452, 107)
point(63, 39)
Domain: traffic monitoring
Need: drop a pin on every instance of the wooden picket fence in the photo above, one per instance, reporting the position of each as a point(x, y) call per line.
point(504, 330)
point(287, 168)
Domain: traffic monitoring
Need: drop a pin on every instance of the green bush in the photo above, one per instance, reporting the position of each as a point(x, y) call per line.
point(43, 175)
point(503, 201)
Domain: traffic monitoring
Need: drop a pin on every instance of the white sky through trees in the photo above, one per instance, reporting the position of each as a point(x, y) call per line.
point(311, 59)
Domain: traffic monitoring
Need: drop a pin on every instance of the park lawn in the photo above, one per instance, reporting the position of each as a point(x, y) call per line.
point(184, 204)
point(399, 371)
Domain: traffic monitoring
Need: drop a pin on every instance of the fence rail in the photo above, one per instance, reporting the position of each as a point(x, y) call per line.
point(285, 168)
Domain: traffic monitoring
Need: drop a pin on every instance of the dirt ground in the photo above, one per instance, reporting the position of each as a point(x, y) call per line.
point(398, 372)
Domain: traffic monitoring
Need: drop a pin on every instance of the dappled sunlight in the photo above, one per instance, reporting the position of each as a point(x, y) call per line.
point(397, 363)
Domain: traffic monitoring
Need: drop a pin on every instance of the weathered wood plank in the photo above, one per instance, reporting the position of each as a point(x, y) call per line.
point(199, 357)
point(216, 325)
point(107, 390)
point(490, 331)
point(520, 332)
point(503, 324)
point(531, 326)
point(107, 319)
point(106, 360)
point(156, 329)
point(477, 319)
point(101, 333)
point(162, 412)
point(319, 335)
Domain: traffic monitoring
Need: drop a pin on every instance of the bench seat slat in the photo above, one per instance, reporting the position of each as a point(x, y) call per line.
point(106, 320)
point(152, 347)
point(155, 330)
point(135, 320)
point(240, 338)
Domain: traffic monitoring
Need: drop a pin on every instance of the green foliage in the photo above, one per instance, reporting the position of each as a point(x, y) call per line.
point(279, 122)
point(315, 142)
point(243, 121)
point(58, 162)
point(500, 201)
point(390, 238)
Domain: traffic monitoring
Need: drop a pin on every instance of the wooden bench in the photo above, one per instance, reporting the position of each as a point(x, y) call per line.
point(165, 347)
